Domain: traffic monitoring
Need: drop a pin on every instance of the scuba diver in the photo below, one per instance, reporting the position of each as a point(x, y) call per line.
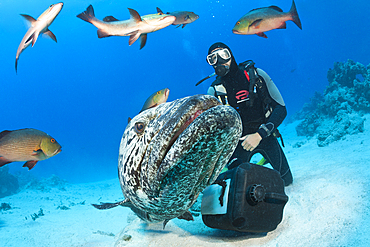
point(252, 93)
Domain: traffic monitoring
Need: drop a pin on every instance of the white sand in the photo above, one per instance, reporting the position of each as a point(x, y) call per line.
point(328, 206)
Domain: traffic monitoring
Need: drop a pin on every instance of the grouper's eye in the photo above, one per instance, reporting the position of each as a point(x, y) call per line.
point(139, 127)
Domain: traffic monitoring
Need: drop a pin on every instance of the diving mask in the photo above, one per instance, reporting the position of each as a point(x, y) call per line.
point(220, 56)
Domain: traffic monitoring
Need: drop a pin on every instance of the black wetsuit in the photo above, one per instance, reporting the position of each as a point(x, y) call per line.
point(265, 111)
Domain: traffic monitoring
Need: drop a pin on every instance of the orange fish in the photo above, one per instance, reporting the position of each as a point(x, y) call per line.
point(28, 145)
point(258, 21)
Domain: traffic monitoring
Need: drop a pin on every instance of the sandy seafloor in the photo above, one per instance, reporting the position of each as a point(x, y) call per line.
point(328, 206)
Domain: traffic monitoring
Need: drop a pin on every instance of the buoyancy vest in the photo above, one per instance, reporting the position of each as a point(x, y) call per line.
point(251, 100)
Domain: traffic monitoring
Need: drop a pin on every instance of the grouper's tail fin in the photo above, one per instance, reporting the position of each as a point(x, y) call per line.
point(295, 18)
point(88, 14)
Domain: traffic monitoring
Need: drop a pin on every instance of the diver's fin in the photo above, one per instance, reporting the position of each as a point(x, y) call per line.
point(262, 162)
point(109, 205)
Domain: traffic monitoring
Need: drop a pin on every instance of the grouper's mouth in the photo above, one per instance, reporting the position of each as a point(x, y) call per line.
point(183, 127)
point(189, 118)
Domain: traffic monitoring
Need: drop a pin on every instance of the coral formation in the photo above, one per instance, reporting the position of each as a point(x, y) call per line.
point(35, 216)
point(340, 110)
point(8, 183)
point(5, 206)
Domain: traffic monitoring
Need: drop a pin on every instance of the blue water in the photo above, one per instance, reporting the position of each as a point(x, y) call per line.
point(82, 89)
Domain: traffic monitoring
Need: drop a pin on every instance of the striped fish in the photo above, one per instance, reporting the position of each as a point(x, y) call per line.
point(171, 153)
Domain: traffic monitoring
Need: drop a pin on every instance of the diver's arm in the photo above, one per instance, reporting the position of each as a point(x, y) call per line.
point(276, 118)
point(277, 104)
point(271, 87)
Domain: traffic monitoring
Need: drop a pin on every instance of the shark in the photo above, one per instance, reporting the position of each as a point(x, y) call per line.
point(135, 27)
point(37, 27)
point(170, 153)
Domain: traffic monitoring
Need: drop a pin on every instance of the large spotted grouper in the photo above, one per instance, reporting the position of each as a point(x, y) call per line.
point(171, 153)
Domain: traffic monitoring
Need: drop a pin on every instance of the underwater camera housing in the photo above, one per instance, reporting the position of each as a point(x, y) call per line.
point(248, 198)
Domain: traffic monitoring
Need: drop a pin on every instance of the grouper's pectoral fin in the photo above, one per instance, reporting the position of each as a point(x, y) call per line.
point(125, 203)
point(109, 205)
point(185, 216)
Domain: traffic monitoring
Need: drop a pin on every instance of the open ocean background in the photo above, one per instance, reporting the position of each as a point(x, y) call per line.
point(82, 89)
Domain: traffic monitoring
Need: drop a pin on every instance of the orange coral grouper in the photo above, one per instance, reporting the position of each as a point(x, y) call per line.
point(29, 145)
point(258, 21)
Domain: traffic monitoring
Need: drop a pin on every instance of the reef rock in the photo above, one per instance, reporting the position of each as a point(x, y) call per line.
point(340, 110)
point(8, 183)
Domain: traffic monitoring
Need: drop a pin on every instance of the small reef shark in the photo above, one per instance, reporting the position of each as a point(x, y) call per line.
point(170, 153)
point(135, 27)
point(39, 26)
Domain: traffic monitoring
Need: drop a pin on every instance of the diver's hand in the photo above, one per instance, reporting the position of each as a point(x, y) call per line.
point(251, 141)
